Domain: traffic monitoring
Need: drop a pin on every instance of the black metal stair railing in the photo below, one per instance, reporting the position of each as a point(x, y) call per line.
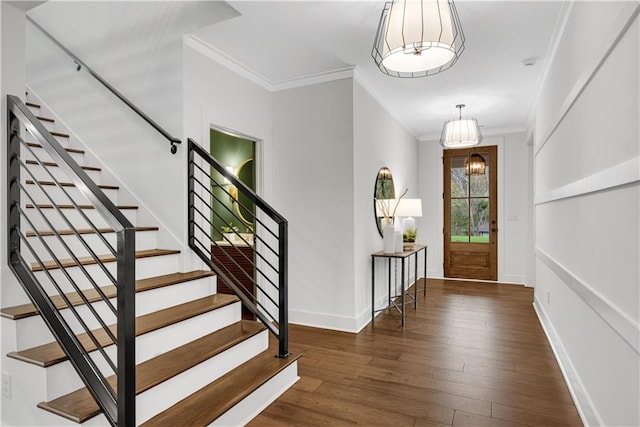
point(80, 64)
point(208, 221)
point(47, 263)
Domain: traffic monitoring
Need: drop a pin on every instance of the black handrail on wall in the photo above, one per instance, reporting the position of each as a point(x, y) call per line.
point(118, 405)
point(269, 300)
point(80, 64)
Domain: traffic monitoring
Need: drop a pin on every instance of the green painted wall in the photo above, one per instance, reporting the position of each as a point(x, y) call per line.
point(239, 154)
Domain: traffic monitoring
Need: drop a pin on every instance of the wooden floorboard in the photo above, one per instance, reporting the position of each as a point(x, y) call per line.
point(472, 354)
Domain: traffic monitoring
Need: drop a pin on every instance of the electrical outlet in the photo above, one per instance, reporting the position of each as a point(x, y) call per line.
point(548, 297)
point(6, 385)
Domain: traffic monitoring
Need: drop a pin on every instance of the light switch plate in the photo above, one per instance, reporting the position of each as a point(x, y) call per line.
point(6, 385)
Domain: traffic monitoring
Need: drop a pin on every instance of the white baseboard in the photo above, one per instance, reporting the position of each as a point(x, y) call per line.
point(587, 411)
point(324, 321)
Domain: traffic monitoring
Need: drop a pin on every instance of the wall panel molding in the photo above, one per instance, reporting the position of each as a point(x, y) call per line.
point(619, 28)
point(584, 405)
point(619, 321)
point(616, 176)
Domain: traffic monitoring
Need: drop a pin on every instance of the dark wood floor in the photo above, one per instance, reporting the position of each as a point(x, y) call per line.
point(472, 354)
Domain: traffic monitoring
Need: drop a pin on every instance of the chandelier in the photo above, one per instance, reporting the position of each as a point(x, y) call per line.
point(475, 165)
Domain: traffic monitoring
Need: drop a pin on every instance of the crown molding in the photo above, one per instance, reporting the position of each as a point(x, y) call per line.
point(237, 67)
point(199, 45)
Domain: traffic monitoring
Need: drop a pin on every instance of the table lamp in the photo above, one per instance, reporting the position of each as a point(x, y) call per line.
point(408, 209)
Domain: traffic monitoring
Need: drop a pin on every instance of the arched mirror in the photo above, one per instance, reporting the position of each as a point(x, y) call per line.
point(384, 189)
point(244, 207)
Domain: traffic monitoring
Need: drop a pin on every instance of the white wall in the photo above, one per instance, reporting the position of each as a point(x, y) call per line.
point(12, 70)
point(587, 200)
point(313, 184)
point(378, 140)
point(322, 146)
point(513, 212)
point(12, 67)
point(136, 47)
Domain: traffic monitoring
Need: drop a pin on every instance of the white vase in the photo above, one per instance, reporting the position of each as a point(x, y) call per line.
point(388, 238)
point(397, 241)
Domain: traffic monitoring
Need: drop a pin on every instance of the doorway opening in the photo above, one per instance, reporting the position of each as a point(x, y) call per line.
point(470, 213)
point(233, 214)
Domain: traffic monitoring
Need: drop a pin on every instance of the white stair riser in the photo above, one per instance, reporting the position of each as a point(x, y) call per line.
point(256, 402)
point(162, 396)
point(32, 331)
point(38, 173)
point(47, 193)
point(29, 387)
point(40, 153)
point(72, 216)
point(148, 346)
point(146, 302)
point(144, 240)
point(145, 267)
point(168, 296)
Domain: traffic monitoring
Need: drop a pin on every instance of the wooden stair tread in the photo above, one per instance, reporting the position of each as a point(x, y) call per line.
point(67, 232)
point(88, 260)
point(51, 353)
point(46, 206)
point(79, 406)
point(210, 402)
point(27, 310)
point(52, 164)
point(71, 184)
point(45, 119)
point(68, 149)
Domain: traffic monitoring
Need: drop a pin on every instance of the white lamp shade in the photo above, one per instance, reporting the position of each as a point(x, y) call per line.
point(424, 41)
point(418, 38)
point(409, 207)
point(460, 133)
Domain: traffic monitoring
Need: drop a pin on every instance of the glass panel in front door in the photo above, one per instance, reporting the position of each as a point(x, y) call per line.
point(469, 200)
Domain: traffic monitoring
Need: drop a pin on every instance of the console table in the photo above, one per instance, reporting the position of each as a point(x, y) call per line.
point(404, 258)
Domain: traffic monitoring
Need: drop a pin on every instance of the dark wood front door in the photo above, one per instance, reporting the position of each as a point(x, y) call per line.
point(471, 213)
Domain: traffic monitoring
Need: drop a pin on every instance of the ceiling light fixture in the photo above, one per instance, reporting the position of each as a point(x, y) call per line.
point(475, 165)
point(460, 133)
point(417, 38)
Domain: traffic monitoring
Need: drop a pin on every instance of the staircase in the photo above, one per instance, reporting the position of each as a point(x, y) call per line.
point(197, 362)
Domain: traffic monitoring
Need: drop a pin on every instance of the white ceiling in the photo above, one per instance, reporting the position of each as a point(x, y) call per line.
point(284, 41)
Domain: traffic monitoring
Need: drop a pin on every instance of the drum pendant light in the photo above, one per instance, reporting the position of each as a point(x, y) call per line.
point(417, 38)
point(460, 133)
